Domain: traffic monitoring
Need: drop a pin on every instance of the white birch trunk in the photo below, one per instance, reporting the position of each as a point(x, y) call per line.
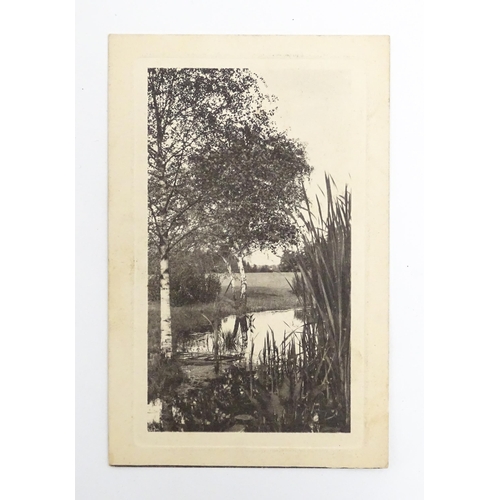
point(242, 318)
point(165, 314)
point(243, 279)
point(231, 275)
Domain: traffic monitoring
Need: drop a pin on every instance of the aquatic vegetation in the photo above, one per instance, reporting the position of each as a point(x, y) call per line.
point(305, 378)
point(210, 407)
point(325, 276)
point(238, 397)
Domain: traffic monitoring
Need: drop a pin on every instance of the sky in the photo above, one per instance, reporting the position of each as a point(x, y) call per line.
point(322, 108)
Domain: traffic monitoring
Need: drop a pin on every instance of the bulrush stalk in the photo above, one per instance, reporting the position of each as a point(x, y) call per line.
point(319, 372)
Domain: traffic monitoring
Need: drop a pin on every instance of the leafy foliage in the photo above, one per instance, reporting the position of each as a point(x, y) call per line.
point(190, 110)
point(191, 278)
point(239, 395)
point(211, 407)
point(260, 172)
point(190, 286)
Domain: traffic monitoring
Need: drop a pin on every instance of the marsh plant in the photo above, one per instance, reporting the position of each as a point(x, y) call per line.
point(325, 279)
point(307, 375)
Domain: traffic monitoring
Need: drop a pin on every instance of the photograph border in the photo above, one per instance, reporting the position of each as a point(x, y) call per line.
point(128, 444)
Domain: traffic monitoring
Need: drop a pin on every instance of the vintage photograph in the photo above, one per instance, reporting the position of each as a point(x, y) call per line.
point(249, 252)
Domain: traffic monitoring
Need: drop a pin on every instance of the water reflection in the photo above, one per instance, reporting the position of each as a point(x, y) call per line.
point(154, 411)
point(222, 391)
point(282, 324)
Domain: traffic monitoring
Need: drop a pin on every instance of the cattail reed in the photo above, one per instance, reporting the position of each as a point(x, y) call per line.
point(315, 371)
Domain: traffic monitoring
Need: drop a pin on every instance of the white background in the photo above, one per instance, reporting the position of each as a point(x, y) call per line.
point(454, 212)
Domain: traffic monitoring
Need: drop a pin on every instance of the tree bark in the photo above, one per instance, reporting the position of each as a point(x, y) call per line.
point(231, 276)
point(165, 313)
point(242, 317)
point(243, 278)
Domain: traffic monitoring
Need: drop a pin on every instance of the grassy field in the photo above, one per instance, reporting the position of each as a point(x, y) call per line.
point(266, 292)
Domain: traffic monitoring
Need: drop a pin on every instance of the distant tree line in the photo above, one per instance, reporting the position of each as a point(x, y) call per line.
point(195, 274)
point(264, 268)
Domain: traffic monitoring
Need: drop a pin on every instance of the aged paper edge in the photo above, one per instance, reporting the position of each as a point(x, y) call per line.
point(371, 54)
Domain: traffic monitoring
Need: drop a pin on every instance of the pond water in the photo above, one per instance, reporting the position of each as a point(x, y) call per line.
point(282, 324)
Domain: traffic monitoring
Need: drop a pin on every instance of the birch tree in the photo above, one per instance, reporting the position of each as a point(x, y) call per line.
point(189, 111)
point(261, 173)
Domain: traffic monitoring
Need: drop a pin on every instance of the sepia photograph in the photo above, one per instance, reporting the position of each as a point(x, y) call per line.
point(248, 250)
point(249, 254)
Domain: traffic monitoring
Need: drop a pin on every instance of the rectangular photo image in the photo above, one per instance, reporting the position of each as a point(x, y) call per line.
point(249, 250)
